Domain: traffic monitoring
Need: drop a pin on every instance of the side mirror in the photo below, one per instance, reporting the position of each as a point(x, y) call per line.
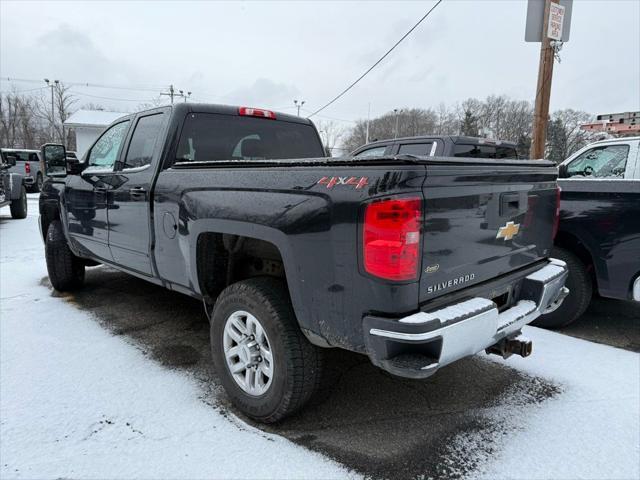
point(562, 171)
point(73, 165)
point(54, 157)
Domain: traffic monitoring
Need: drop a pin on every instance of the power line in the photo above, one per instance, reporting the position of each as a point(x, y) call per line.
point(84, 84)
point(23, 91)
point(379, 60)
point(332, 118)
point(111, 98)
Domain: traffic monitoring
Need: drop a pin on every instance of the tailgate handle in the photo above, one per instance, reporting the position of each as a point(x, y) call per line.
point(509, 203)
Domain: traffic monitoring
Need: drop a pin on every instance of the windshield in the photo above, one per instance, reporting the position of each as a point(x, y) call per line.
point(211, 137)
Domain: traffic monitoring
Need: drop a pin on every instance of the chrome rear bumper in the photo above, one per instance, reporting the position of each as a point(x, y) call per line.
point(417, 345)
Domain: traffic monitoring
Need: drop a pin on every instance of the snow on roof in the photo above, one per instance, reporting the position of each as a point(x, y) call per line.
point(92, 118)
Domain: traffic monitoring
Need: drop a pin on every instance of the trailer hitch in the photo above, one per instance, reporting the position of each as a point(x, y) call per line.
point(506, 347)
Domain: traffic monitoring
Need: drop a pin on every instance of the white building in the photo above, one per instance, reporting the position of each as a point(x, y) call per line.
point(88, 125)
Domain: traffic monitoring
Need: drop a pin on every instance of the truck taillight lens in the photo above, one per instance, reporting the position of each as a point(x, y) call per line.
point(391, 238)
point(556, 220)
point(27, 168)
point(256, 112)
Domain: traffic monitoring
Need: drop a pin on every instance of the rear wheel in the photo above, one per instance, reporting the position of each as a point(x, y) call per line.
point(37, 186)
point(66, 271)
point(19, 207)
point(580, 290)
point(265, 363)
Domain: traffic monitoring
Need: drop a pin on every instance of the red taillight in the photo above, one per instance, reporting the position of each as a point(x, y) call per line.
point(27, 167)
point(391, 238)
point(256, 112)
point(556, 220)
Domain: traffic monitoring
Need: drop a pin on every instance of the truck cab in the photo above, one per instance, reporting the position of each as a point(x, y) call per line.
point(439, 146)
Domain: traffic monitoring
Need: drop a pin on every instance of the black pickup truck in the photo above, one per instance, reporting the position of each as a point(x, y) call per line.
point(440, 146)
point(415, 262)
point(599, 231)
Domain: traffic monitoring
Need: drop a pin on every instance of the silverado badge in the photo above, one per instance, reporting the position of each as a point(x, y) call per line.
point(509, 231)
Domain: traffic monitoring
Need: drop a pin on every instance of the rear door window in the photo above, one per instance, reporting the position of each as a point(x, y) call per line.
point(417, 149)
point(372, 152)
point(509, 153)
point(19, 156)
point(475, 151)
point(215, 137)
point(143, 141)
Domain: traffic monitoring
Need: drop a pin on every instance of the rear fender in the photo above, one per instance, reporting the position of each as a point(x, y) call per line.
point(260, 232)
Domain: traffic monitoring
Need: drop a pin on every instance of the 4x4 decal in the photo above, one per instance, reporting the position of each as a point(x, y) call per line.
point(356, 182)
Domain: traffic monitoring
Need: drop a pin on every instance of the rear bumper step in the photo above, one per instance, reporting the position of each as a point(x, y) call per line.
point(418, 345)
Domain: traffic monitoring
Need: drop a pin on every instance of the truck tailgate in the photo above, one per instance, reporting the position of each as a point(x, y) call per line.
point(484, 219)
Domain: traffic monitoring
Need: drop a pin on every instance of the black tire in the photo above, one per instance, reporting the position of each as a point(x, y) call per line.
point(66, 271)
point(297, 363)
point(580, 290)
point(19, 207)
point(37, 186)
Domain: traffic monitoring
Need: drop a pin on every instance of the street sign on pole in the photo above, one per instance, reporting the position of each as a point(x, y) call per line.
point(535, 21)
point(556, 19)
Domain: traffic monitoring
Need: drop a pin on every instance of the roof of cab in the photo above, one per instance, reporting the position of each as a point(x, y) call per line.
point(457, 139)
point(185, 108)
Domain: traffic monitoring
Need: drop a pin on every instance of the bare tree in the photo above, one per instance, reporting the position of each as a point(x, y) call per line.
point(93, 106)
point(331, 134)
point(55, 115)
point(565, 135)
point(153, 103)
point(497, 116)
point(20, 126)
point(446, 123)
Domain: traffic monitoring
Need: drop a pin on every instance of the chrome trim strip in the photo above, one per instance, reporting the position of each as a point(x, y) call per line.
point(136, 169)
point(636, 289)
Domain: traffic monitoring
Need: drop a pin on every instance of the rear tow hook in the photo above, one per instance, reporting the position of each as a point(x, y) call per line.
point(506, 347)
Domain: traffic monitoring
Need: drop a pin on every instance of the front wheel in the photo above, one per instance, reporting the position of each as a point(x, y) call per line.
point(19, 207)
point(265, 363)
point(66, 271)
point(580, 291)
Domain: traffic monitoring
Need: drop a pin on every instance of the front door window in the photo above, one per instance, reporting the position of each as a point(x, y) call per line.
point(105, 151)
point(607, 161)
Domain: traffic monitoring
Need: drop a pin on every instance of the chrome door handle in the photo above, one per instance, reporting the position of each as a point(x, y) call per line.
point(138, 192)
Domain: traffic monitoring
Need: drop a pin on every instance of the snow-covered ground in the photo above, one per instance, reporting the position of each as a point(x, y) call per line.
point(78, 402)
point(590, 430)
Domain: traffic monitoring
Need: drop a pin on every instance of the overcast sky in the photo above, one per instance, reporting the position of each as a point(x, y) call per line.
point(268, 53)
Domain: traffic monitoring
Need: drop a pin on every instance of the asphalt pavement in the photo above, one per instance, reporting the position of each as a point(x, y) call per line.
point(374, 423)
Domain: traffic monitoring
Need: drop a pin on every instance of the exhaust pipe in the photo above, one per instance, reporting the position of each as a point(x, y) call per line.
point(508, 346)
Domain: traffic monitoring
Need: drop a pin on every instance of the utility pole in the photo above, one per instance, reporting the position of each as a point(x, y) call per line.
point(368, 119)
point(396, 111)
point(53, 118)
point(299, 104)
point(543, 89)
point(172, 94)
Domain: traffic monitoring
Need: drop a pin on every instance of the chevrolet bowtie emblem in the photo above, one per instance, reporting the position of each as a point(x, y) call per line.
point(509, 231)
